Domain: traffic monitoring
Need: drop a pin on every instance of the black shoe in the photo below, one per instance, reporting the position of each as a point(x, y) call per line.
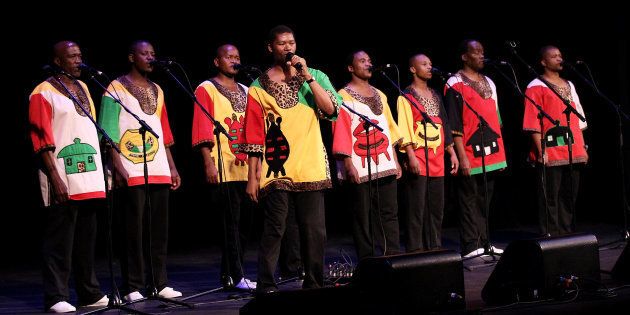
point(266, 290)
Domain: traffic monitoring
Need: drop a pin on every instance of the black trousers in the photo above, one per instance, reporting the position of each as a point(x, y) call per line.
point(383, 221)
point(236, 211)
point(559, 199)
point(424, 224)
point(310, 216)
point(471, 196)
point(290, 263)
point(136, 253)
point(68, 245)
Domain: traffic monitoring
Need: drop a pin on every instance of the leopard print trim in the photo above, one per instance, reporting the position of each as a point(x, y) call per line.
point(564, 91)
point(285, 94)
point(251, 148)
point(373, 102)
point(432, 105)
point(78, 93)
point(282, 184)
point(335, 102)
point(482, 87)
point(147, 97)
point(379, 175)
point(238, 98)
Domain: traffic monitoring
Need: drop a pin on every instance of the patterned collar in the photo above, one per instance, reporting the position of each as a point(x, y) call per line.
point(77, 92)
point(481, 87)
point(238, 98)
point(146, 96)
point(286, 94)
point(431, 105)
point(373, 102)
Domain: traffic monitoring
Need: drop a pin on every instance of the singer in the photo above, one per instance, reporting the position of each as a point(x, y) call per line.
point(556, 159)
point(350, 148)
point(225, 100)
point(424, 229)
point(481, 93)
point(288, 165)
point(145, 99)
point(71, 181)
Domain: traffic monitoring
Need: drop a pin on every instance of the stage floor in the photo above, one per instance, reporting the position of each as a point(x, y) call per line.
point(196, 271)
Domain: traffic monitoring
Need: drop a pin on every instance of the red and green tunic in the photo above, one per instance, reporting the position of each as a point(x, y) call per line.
point(59, 124)
point(228, 108)
point(555, 138)
point(282, 124)
point(482, 97)
point(148, 105)
point(350, 139)
point(411, 127)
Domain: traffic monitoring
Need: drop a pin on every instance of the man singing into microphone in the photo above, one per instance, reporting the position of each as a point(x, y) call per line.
point(350, 147)
point(145, 99)
point(480, 93)
point(560, 202)
point(225, 100)
point(282, 131)
point(71, 181)
point(424, 221)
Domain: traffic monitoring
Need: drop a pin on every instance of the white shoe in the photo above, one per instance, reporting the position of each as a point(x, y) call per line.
point(100, 303)
point(475, 252)
point(62, 307)
point(246, 284)
point(169, 293)
point(133, 296)
point(497, 250)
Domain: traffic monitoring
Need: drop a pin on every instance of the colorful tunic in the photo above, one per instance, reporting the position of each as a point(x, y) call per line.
point(482, 97)
point(350, 139)
point(556, 138)
point(59, 124)
point(148, 105)
point(228, 108)
point(412, 130)
point(282, 124)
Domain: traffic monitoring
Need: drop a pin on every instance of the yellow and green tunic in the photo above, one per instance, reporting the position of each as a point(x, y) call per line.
point(282, 124)
point(228, 108)
point(59, 124)
point(148, 105)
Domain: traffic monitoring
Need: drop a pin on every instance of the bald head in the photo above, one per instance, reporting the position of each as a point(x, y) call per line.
point(60, 48)
point(225, 49)
point(227, 57)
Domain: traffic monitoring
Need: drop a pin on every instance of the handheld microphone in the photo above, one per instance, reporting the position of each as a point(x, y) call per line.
point(288, 58)
point(441, 73)
point(87, 68)
point(489, 61)
point(380, 68)
point(161, 63)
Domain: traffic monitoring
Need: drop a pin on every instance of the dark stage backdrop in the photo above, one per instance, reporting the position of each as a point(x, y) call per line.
point(599, 37)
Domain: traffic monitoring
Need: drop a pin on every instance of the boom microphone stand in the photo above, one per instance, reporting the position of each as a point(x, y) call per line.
point(541, 116)
point(425, 120)
point(621, 116)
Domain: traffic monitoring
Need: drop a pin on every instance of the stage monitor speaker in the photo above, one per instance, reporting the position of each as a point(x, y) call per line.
point(328, 300)
point(621, 270)
point(414, 283)
point(543, 268)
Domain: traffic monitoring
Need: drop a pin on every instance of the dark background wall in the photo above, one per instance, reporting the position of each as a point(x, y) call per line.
point(324, 38)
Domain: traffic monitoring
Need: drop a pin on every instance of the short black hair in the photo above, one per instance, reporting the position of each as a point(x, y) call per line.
point(135, 43)
point(543, 50)
point(463, 46)
point(414, 57)
point(279, 29)
point(350, 56)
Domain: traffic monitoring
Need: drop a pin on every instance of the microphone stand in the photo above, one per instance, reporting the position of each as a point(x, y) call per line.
point(488, 249)
point(218, 130)
point(144, 128)
point(541, 114)
point(425, 120)
point(115, 300)
point(621, 116)
point(569, 136)
point(366, 126)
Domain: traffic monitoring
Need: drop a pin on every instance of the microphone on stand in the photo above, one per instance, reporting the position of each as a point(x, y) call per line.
point(240, 66)
point(161, 63)
point(87, 68)
point(380, 68)
point(441, 73)
point(489, 61)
